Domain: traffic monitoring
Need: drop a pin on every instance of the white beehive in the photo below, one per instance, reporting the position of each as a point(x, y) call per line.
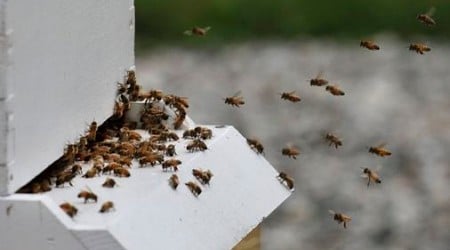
point(60, 61)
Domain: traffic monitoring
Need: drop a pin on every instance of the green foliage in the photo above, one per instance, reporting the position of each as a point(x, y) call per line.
point(162, 22)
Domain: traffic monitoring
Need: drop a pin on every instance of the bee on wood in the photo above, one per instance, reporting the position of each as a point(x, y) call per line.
point(190, 134)
point(196, 145)
point(205, 133)
point(69, 209)
point(92, 132)
point(333, 140)
point(197, 31)
point(204, 177)
point(290, 96)
point(64, 177)
point(109, 183)
point(235, 100)
point(151, 159)
point(286, 180)
point(255, 145)
point(318, 81)
point(340, 218)
point(380, 150)
point(171, 163)
point(87, 195)
point(176, 101)
point(110, 167)
point(194, 188)
point(174, 181)
point(121, 172)
point(125, 161)
point(76, 169)
point(370, 45)
point(290, 151)
point(45, 185)
point(114, 157)
point(91, 173)
point(426, 18)
point(334, 90)
point(119, 109)
point(170, 150)
point(371, 175)
point(179, 119)
point(106, 207)
point(419, 48)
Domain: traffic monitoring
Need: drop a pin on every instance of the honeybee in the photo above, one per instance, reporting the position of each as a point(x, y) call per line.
point(119, 109)
point(340, 218)
point(197, 31)
point(69, 209)
point(318, 81)
point(190, 134)
point(287, 180)
point(92, 132)
point(121, 172)
point(203, 176)
point(151, 159)
point(235, 100)
point(109, 183)
point(64, 177)
point(290, 96)
point(87, 195)
point(91, 173)
point(333, 139)
point(426, 18)
point(106, 207)
point(174, 181)
point(76, 169)
point(205, 133)
point(45, 185)
point(170, 150)
point(370, 45)
point(171, 163)
point(194, 188)
point(334, 90)
point(176, 101)
point(290, 151)
point(196, 145)
point(256, 145)
point(380, 150)
point(371, 175)
point(179, 119)
point(419, 48)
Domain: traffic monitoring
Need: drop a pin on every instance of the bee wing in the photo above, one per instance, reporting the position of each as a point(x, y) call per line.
point(382, 145)
point(206, 29)
point(89, 189)
point(188, 32)
point(238, 93)
point(431, 11)
point(378, 167)
point(320, 74)
point(331, 212)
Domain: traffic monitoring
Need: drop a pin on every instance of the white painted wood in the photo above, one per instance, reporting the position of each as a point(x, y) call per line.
point(59, 64)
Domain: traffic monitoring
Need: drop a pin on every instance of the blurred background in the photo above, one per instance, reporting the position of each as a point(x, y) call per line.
point(393, 95)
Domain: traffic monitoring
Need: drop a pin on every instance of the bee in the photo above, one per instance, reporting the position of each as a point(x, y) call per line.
point(45, 185)
point(196, 145)
point(419, 48)
point(333, 139)
point(69, 209)
point(427, 17)
point(371, 175)
point(334, 90)
point(256, 145)
point(203, 176)
point(64, 177)
point(197, 31)
point(179, 119)
point(114, 157)
point(370, 45)
point(318, 81)
point(190, 134)
point(109, 183)
point(290, 96)
point(119, 109)
point(151, 159)
point(171, 163)
point(380, 150)
point(285, 179)
point(205, 133)
point(235, 100)
point(76, 169)
point(92, 131)
point(176, 101)
point(194, 188)
point(106, 207)
point(91, 173)
point(121, 172)
point(290, 151)
point(87, 195)
point(170, 150)
point(174, 181)
point(340, 218)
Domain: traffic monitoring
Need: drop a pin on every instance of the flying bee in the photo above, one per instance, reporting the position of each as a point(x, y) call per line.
point(290, 151)
point(419, 48)
point(290, 96)
point(69, 209)
point(197, 31)
point(109, 183)
point(194, 188)
point(174, 181)
point(340, 218)
point(236, 100)
point(106, 207)
point(171, 163)
point(380, 150)
point(370, 45)
point(334, 90)
point(256, 145)
point(371, 175)
point(285, 179)
point(427, 17)
point(87, 195)
point(333, 140)
point(318, 81)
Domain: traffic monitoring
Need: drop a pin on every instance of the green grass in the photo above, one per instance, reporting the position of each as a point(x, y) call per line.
point(163, 22)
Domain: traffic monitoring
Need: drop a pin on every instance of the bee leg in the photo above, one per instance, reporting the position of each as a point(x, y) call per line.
point(295, 158)
point(368, 183)
point(345, 224)
point(69, 183)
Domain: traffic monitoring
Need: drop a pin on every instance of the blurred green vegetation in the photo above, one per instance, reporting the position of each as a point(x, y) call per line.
point(161, 22)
